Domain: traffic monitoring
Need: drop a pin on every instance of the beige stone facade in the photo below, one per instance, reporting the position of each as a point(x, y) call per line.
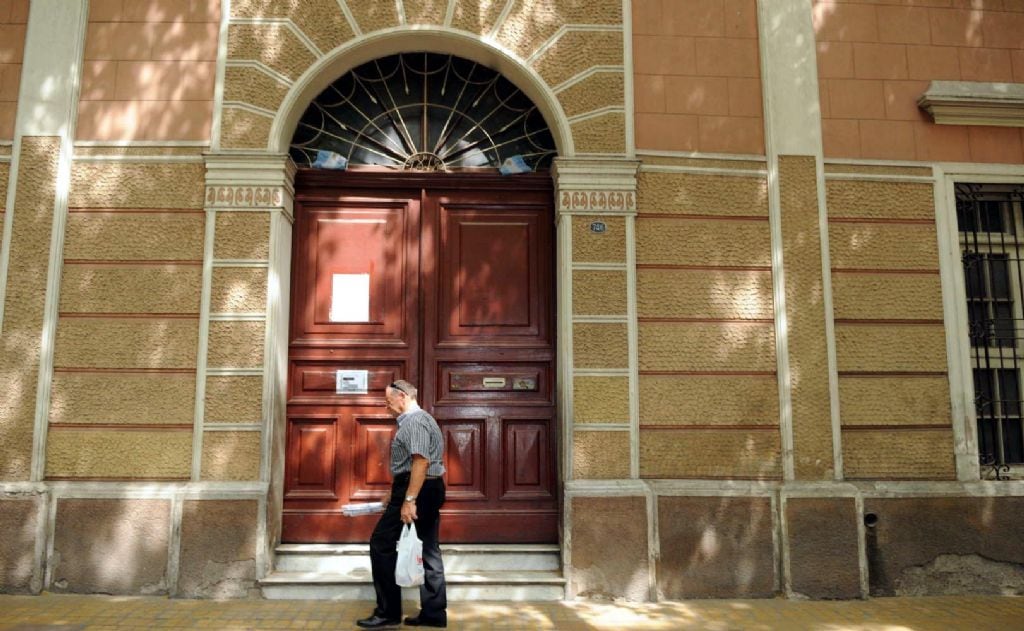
point(760, 322)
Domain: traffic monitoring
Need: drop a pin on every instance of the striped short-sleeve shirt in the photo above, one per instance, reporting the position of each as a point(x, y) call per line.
point(417, 433)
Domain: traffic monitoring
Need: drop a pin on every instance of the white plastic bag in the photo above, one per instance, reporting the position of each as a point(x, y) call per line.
point(409, 569)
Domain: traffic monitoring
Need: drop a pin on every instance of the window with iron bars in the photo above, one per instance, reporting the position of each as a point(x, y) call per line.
point(991, 225)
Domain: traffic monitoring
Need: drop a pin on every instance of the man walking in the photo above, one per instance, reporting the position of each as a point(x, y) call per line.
point(417, 493)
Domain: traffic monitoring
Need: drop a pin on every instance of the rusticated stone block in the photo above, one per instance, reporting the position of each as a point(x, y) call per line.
point(576, 52)
point(699, 194)
point(242, 235)
point(889, 347)
point(824, 560)
point(113, 546)
point(705, 294)
point(476, 17)
point(253, 86)
point(930, 546)
point(218, 549)
point(710, 242)
point(600, 345)
point(234, 399)
point(601, 134)
point(715, 547)
point(598, 292)
point(242, 129)
point(530, 24)
point(139, 236)
point(704, 346)
point(599, 90)
point(753, 453)
point(425, 11)
point(709, 400)
point(373, 16)
point(100, 397)
point(131, 289)
point(895, 400)
point(321, 20)
point(236, 345)
point(126, 343)
point(880, 200)
point(239, 290)
point(883, 246)
point(18, 521)
point(600, 399)
point(609, 548)
point(895, 453)
point(887, 296)
point(231, 456)
point(593, 247)
point(272, 44)
point(136, 185)
point(140, 454)
point(600, 455)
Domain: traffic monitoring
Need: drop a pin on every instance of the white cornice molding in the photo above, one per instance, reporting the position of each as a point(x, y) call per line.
point(974, 103)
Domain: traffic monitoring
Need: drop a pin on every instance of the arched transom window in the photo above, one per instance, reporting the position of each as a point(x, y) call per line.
point(423, 111)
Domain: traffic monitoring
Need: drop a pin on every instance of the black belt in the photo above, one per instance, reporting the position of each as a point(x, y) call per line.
point(406, 474)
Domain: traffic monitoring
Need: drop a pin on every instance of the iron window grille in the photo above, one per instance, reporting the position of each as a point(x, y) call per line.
point(991, 226)
point(424, 112)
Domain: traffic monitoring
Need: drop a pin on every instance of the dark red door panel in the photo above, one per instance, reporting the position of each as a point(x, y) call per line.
point(447, 281)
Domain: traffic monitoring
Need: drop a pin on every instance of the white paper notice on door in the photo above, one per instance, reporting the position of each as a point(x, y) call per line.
point(350, 298)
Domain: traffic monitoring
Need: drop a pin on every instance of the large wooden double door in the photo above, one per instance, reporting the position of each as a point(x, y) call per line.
point(446, 281)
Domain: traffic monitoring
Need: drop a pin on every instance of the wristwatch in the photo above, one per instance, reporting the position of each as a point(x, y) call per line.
point(410, 498)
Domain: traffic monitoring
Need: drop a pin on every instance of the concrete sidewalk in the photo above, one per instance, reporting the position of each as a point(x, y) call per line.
point(51, 612)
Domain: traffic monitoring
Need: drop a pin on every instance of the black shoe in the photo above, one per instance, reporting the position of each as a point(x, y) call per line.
point(378, 622)
point(417, 621)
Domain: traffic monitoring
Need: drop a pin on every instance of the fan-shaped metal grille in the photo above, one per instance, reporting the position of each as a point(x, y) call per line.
point(424, 111)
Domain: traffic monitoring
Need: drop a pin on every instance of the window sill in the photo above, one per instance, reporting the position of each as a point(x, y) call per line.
point(974, 103)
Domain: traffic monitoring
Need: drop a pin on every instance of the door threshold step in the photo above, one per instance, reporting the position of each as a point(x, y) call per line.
point(458, 548)
point(454, 578)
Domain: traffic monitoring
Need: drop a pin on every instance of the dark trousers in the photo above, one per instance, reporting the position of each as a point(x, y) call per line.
point(384, 551)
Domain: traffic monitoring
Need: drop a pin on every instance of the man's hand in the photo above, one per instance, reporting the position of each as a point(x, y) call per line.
point(408, 512)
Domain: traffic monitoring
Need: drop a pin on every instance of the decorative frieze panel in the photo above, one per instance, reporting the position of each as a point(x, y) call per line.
point(597, 201)
point(244, 197)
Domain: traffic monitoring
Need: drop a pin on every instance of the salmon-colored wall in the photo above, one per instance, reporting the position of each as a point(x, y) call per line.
point(13, 17)
point(149, 70)
point(876, 57)
point(697, 76)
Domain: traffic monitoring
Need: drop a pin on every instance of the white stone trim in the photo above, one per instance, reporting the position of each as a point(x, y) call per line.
point(828, 307)
point(261, 67)
point(599, 267)
point(500, 21)
point(974, 103)
point(50, 501)
point(234, 372)
point(879, 177)
point(137, 158)
point(627, 78)
point(600, 319)
point(601, 372)
point(400, 7)
point(174, 543)
point(783, 579)
point(287, 24)
point(343, 5)
point(598, 113)
point(781, 322)
point(603, 427)
point(653, 542)
point(674, 168)
point(233, 427)
point(862, 547)
point(142, 143)
point(248, 107)
point(238, 262)
point(63, 21)
point(586, 74)
point(700, 155)
point(571, 28)
point(219, 78)
point(199, 412)
point(449, 14)
point(436, 38)
point(633, 348)
point(565, 361)
point(237, 317)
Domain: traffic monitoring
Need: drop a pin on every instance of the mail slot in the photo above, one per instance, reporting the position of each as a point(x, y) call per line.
point(495, 382)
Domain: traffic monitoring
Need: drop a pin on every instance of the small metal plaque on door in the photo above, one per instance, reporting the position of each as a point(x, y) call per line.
point(351, 381)
point(495, 383)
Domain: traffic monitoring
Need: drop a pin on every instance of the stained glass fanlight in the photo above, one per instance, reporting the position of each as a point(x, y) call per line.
point(425, 112)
